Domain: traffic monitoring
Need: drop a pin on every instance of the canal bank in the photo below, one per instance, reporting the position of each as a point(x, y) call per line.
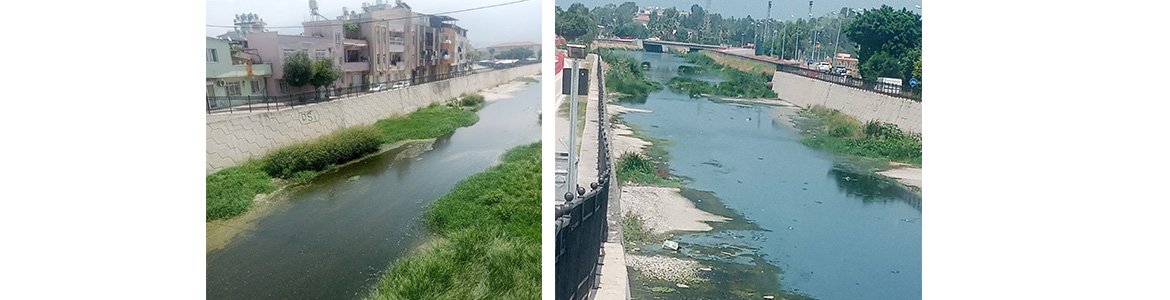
point(824, 230)
point(333, 238)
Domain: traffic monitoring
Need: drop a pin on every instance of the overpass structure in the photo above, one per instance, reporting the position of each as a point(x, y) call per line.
point(661, 46)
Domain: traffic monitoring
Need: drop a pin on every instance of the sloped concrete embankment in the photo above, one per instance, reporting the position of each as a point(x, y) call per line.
point(235, 140)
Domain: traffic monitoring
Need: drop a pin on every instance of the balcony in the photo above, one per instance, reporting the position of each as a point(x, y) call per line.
point(237, 71)
point(355, 66)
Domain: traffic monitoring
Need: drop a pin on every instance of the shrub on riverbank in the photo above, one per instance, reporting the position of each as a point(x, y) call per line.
point(489, 231)
point(333, 149)
point(230, 191)
point(426, 123)
point(840, 133)
point(626, 76)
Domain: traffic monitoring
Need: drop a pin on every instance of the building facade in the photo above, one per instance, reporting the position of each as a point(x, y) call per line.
point(234, 79)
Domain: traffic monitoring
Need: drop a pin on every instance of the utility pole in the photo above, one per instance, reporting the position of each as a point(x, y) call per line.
point(837, 43)
point(768, 19)
point(573, 98)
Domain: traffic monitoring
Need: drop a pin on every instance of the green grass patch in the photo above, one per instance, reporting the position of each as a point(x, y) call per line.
point(582, 104)
point(635, 231)
point(489, 231)
point(635, 167)
point(737, 83)
point(230, 191)
point(317, 155)
point(426, 123)
point(836, 132)
point(625, 76)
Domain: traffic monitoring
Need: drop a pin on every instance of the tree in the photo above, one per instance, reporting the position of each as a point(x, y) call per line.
point(324, 73)
point(576, 24)
point(298, 69)
point(515, 53)
point(632, 30)
point(885, 30)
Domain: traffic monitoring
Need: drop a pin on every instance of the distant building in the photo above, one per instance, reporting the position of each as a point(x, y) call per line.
point(238, 78)
point(845, 60)
point(384, 43)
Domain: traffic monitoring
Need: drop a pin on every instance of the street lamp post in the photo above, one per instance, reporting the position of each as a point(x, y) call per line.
point(837, 43)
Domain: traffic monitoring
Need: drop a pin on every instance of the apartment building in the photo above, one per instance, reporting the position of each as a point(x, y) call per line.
point(234, 79)
point(383, 43)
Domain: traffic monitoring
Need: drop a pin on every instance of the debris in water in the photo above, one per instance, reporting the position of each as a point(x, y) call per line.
point(672, 245)
point(355, 177)
point(682, 285)
point(789, 227)
point(769, 297)
point(705, 269)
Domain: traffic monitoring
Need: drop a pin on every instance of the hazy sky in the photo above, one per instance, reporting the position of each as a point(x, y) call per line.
point(781, 9)
point(510, 23)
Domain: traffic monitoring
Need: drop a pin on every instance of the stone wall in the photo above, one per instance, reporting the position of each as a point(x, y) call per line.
point(233, 141)
point(861, 104)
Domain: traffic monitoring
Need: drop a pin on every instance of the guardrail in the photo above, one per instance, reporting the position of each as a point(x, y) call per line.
point(581, 225)
point(233, 104)
point(913, 93)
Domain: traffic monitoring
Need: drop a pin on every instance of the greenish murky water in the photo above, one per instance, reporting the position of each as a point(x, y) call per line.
point(813, 223)
point(333, 238)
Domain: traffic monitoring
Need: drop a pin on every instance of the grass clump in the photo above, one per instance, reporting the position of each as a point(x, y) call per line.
point(626, 76)
point(489, 229)
point(333, 149)
point(230, 191)
point(528, 80)
point(662, 289)
point(635, 167)
point(429, 122)
point(840, 133)
point(635, 231)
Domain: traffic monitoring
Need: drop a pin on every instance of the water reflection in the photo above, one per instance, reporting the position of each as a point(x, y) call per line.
point(871, 187)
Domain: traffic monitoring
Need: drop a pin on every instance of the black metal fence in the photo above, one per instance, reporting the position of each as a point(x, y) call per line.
point(233, 104)
point(902, 91)
point(581, 225)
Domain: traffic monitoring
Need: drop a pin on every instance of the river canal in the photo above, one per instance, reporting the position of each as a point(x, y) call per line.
point(333, 237)
point(833, 232)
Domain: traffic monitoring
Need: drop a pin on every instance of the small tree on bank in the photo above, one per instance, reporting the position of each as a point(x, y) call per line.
point(324, 73)
point(298, 69)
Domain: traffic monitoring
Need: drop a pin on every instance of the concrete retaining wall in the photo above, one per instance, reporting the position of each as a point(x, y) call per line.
point(233, 141)
point(857, 103)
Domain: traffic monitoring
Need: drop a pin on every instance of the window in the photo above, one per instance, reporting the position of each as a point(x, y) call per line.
point(210, 90)
point(283, 87)
point(255, 86)
point(320, 54)
point(233, 89)
point(337, 36)
point(211, 56)
point(287, 53)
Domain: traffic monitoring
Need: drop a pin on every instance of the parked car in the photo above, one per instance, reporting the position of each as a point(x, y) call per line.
point(824, 66)
point(400, 84)
point(378, 88)
point(840, 70)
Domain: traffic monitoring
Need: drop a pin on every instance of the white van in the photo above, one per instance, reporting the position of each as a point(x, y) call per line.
point(891, 85)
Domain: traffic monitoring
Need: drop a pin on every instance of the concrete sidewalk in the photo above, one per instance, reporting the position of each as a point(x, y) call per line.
point(614, 281)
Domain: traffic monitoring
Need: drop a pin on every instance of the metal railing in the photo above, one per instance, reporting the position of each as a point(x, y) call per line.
point(906, 91)
point(581, 225)
point(234, 104)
